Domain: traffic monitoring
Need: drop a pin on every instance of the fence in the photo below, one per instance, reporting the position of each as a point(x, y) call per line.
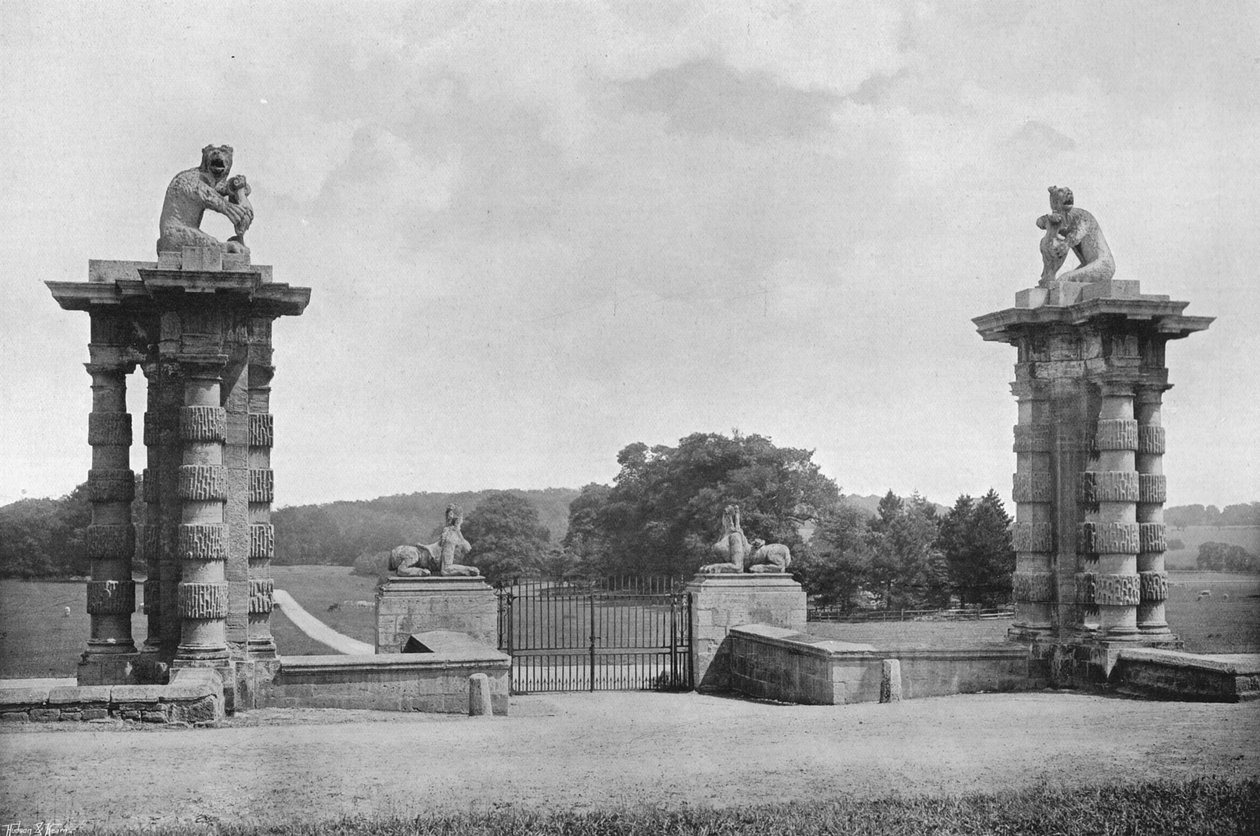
point(835, 614)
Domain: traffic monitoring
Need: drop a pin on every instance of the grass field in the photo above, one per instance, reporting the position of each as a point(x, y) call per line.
point(1150, 809)
point(38, 640)
point(1193, 536)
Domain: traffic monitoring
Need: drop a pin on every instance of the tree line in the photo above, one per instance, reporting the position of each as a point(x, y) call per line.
point(1247, 513)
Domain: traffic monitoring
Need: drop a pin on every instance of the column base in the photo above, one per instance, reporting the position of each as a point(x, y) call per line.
point(108, 669)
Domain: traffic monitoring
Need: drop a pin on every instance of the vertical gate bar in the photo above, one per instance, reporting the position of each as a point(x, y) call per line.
point(673, 642)
point(592, 598)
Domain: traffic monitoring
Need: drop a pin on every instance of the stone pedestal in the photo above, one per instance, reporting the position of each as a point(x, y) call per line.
point(1089, 486)
point(418, 605)
point(199, 324)
point(720, 602)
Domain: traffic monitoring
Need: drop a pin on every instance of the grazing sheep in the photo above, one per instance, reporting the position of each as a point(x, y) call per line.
point(1224, 596)
point(1204, 593)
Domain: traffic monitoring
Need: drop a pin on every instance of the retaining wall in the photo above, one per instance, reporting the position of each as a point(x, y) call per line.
point(193, 696)
point(782, 664)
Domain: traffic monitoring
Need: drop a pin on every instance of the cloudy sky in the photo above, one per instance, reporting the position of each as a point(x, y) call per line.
point(536, 233)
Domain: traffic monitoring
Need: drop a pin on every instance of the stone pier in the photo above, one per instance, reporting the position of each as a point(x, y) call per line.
point(198, 322)
point(1089, 485)
point(409, 605)
point(721, 602)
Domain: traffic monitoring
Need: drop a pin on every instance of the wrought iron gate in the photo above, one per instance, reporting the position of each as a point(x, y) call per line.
point(620, 635)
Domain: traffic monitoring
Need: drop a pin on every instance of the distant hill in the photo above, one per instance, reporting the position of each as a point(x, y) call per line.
point(869, 505)
point(337, 532)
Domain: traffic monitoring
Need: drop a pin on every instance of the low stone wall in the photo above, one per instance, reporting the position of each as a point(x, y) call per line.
point(782, 664)
point(436, 681)
point(405, 606)
point(1166, 674)
point(193, 696)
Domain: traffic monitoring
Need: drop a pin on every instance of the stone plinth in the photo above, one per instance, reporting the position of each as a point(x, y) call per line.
point(721, 602)
point(417, 605)
point(1089, 485)
point(200, 328)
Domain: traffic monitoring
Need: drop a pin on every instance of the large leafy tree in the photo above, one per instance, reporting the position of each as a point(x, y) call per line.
point(44, 537)
point(663, 512)
point(976, 541)
point(907, 570)
point(506, 536)
point(837, 565)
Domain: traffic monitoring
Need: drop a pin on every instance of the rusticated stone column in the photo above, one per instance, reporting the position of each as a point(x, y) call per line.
point(1109, 541)
point(202, 538)
point(262, 540)
point(111, 538)
point(1151, 618)
point(1033, 582)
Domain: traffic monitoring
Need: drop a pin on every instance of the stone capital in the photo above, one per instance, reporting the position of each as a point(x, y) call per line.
point(203, 366)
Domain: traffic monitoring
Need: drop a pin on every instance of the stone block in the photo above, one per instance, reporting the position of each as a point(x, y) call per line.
point(15, 717)
point(95, 713)
point(45, 715)
point(79, 695)
point(479, 704)
point(129, 694)
point(12, 698)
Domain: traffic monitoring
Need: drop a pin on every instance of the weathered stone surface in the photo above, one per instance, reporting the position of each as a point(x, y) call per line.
point(1033, 537)
point(1117, 590)
point(890, 681)
point(111, 542)
point(152, 596)
point(109, 428)
point(150, 491)
point(1117, 434)
point(111, 597)
point(1085, 588)
point(1151, 439)
point(1107, 538)
point(1154, 586)
point(202, 482)
point(45, 715)
point(479, 704)
point(262, 485)
point(262, 541)
point(1153, 487)
point(202, 423)
point(81, 695)
point(1033, 587)
point(130, 696)
point(261, 595)
point(1114, 486)
point(203, 600)
point(148, 543)
point(111, 485)
point(1034, 486)
point(1033, 438)
point(202, 541)
point(152, 430)
point(1152, 537)
point(261, 429)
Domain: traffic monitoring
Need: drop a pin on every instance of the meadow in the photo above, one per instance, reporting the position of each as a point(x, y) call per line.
point(37, 639)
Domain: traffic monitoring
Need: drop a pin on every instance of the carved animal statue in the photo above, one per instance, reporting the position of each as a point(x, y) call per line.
point(194, 191)
point(236, 189)
point(419, 559)
point(1069, 228)
point(733, 545)
point(769, 557)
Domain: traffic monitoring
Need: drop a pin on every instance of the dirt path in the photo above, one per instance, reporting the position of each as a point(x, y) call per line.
point(316, 629)
point(583, 751)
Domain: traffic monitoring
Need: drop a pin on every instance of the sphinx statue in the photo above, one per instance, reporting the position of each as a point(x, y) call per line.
point(741, 555)
point(418, 560)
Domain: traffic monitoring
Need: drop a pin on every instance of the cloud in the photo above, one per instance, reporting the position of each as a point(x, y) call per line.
point(704, 97)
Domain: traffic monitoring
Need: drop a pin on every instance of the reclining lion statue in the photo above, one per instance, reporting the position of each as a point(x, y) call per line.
point(419, 560)
point(743, 556)
point(192, 192)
